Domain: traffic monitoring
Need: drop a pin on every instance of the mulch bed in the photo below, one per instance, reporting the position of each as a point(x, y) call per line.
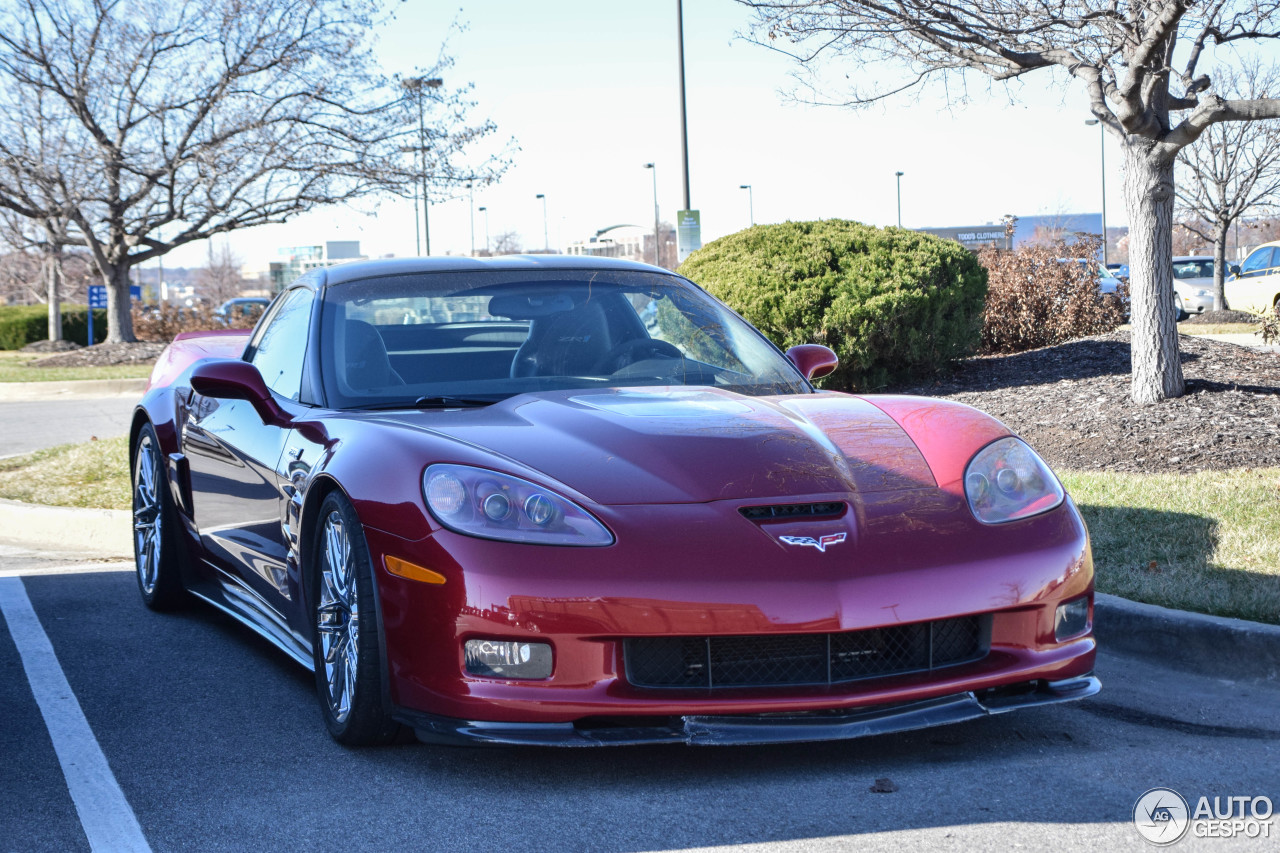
point(1071, 403)
point(98, 355)
point(1215, 317)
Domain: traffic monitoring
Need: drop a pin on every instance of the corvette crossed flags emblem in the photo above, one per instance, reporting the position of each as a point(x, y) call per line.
point(820, 543)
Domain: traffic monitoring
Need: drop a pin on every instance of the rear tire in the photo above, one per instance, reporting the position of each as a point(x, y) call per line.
point(347, 651)
point(155, 528)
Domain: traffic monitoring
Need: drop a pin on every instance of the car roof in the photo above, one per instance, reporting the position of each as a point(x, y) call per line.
point(1193, 257)
point(339, 274)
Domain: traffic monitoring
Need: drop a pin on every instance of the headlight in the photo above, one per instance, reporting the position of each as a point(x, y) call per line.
point(484, 503)
point(1006, 481)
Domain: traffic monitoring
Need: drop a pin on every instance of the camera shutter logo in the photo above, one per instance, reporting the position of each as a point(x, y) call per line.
point(1161, 816)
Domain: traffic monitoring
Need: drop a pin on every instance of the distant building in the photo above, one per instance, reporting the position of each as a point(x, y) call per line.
point(298, 260)
point(631, 242)
point(1027, 230)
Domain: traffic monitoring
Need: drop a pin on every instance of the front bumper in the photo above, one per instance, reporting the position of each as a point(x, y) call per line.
point(727, 730)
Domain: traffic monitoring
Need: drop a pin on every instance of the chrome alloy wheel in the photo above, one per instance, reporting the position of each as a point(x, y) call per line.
point(148, 516)
point(338, 618)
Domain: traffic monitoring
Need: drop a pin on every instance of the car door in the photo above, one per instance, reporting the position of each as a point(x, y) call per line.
point(1258, 278)
point(238, 498)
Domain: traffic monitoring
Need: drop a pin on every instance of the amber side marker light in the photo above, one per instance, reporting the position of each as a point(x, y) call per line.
point(405, 569)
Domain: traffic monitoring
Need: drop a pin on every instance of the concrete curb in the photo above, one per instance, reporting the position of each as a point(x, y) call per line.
point(24, 392)
point(100, 532)
point(1233, 649)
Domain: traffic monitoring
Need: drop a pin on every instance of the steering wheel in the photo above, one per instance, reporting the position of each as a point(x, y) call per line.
point(635, 350)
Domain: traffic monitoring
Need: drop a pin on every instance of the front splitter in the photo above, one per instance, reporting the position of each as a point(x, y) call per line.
point(728, 730)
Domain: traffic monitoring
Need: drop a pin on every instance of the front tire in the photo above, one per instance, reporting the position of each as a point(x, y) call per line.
point(155, 531)
point(347, 652)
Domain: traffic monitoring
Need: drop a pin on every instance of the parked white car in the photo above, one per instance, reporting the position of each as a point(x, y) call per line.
point(1255, 284)
point(1192, 284)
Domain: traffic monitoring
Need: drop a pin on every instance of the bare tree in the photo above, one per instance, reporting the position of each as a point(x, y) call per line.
point(47, 239)
point(220, 280)
point(507, 243)
point(1232, 170)
point(1138, 60)
point(151, 124)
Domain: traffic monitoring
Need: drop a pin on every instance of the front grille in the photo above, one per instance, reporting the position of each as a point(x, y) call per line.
point(764, 513)
point(775, 660)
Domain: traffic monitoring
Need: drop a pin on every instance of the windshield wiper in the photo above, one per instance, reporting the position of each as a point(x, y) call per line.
point(430, 402)
point(446, 402)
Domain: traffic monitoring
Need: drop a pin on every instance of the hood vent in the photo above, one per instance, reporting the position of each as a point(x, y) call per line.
point(780, 511)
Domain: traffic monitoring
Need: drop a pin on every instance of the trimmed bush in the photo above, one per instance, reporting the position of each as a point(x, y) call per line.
point(1036, 299)
point(893, 304)
point(24, 324)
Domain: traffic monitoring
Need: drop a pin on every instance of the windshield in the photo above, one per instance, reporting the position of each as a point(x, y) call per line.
point(1193, 269)
point(469, 337)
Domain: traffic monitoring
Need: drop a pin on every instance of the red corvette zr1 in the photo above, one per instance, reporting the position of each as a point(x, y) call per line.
point(569, 501)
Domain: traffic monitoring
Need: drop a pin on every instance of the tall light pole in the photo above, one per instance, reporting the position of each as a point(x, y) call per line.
point(751, 205)
point(898, 175)
point(471, 207)
point(1102, 147)
point(485, 211)
point(418, 86)
point(657, 245)
point(546, 240)
point(684, 130)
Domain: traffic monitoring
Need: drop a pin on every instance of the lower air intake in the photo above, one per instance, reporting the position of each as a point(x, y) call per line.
point(776, 660)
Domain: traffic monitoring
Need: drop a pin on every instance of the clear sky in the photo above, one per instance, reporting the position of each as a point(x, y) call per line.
point(589, 90)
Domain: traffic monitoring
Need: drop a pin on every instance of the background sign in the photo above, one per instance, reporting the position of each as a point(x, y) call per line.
point(688, 233)
point(98, 294)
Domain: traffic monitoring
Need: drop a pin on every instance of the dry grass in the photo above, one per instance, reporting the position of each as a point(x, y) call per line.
point(93, 474)
point(14, 368)
point(1218, 329)
point(1208, 542)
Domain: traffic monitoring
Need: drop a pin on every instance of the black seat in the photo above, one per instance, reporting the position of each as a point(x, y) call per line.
point(570, 343)
point(367, 364)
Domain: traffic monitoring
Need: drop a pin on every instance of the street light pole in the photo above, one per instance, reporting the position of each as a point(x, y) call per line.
point(898, 175)
point(751, 206)
point(684, 131)
point(546, 240)
point(417, 85)
point(657, 245)
point(1102, 149)
point(471, 206)
point(485, 211)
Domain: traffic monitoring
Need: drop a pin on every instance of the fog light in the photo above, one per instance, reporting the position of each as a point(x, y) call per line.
point(1071, 619)
point(504, 659)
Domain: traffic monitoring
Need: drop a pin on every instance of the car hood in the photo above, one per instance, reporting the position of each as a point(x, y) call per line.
point(1193, 284)
point(690, 445)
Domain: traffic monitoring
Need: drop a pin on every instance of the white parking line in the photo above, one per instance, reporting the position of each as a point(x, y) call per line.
point(108, 821)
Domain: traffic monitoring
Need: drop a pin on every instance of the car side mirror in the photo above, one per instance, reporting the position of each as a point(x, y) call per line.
point(232, 379)
point(1234, 269)
point(814, 361)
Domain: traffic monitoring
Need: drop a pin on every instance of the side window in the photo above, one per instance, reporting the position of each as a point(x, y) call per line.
point(280, 349)
point(1257, 263)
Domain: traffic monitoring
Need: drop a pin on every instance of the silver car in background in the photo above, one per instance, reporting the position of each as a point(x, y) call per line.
point(1192, 284)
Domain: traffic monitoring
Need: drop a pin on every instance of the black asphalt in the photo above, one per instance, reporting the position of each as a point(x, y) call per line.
point(216, 742)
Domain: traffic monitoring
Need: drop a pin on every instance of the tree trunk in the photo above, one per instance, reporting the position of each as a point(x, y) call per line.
point(52, 270)
point(1148, 193)
point(119, 320)
point(1221, 227)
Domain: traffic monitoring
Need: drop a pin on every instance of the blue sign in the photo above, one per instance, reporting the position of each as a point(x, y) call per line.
point(98, 294)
